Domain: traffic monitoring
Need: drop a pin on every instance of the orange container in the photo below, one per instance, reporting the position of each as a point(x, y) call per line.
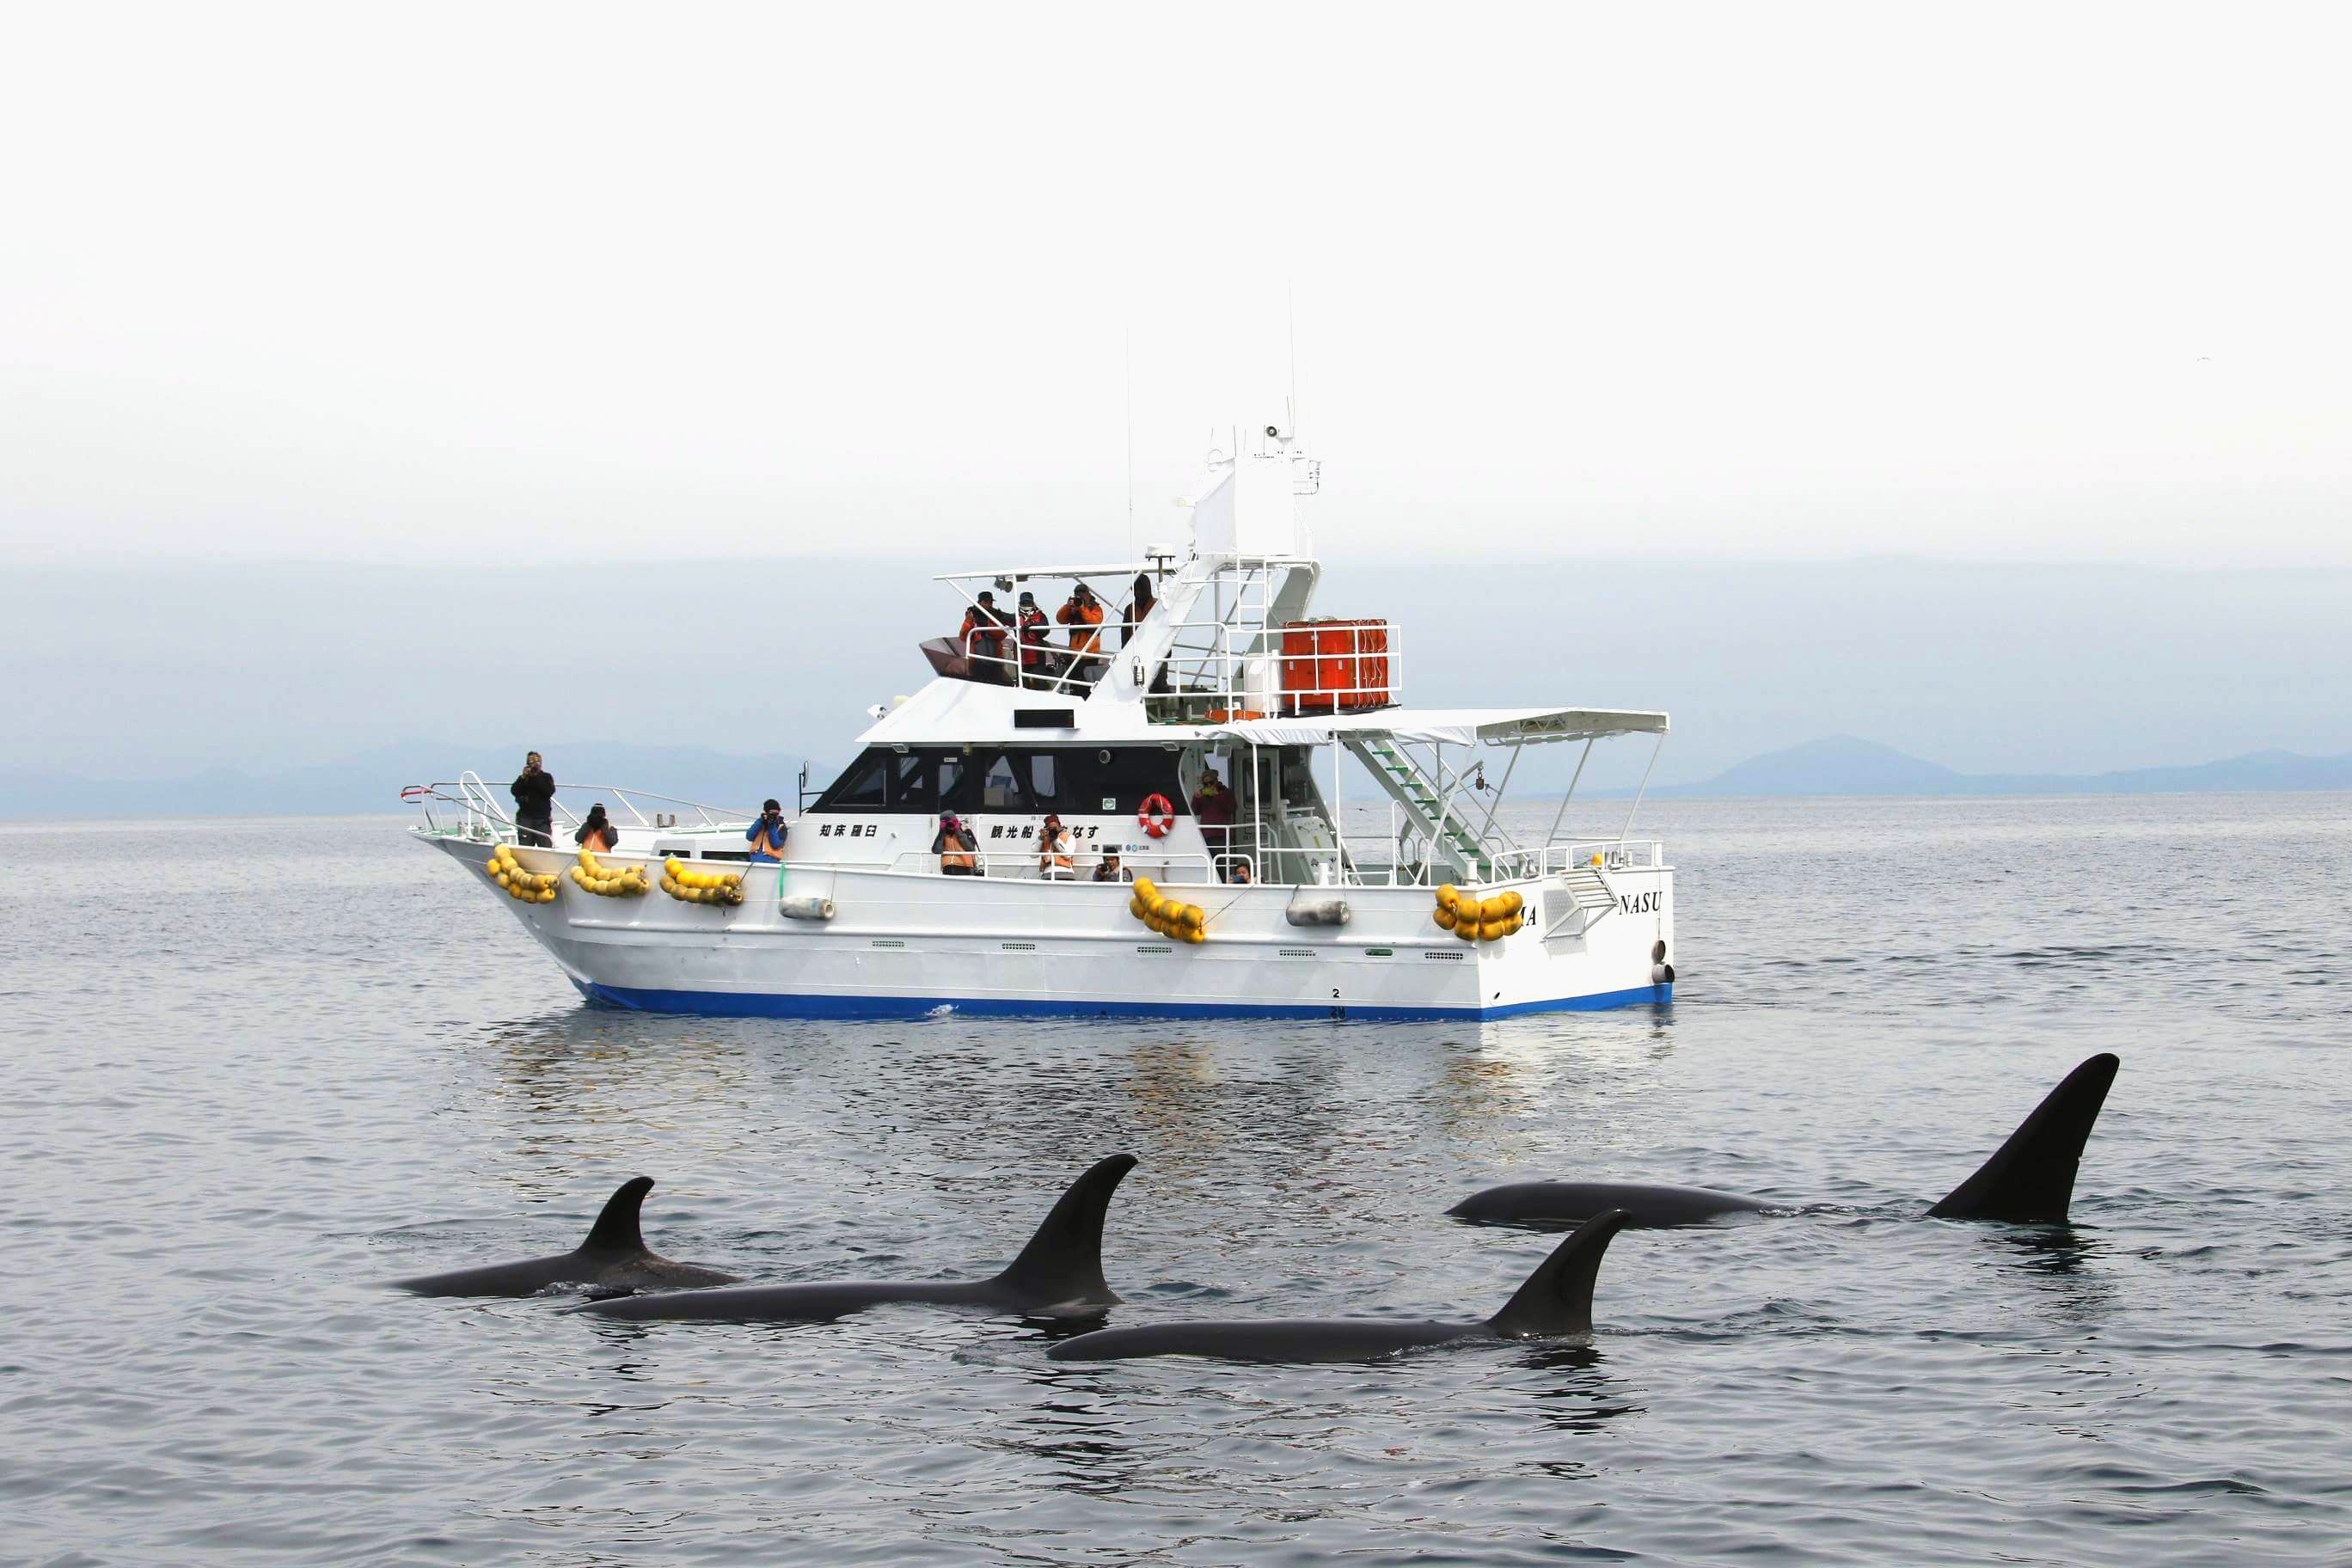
point(1335, 666)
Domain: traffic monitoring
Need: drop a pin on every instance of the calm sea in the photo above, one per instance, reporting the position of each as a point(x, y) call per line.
point(258, 1067)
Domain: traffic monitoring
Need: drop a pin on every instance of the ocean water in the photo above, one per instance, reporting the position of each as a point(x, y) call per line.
point(259, 1067)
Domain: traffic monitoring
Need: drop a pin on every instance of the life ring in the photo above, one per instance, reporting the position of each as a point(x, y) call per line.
point(1157, 815)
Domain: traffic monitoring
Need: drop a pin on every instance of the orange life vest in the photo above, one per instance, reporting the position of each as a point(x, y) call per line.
point(953, 856)
point(1054, 850)
point(1084, 621)
point(984, 637)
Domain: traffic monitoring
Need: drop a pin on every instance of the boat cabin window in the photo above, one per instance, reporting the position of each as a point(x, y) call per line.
point(865, 786)
point(1073, 779)
point(1005, 787)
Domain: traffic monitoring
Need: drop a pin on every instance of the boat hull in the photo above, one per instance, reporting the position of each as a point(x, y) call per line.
point(907, 945)
point(759, 1004)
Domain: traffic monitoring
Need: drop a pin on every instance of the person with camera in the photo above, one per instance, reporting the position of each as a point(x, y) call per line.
point(957, 847)
point(1084, 615)
point(1038, 664)
point(534, 797)
point(767, 836)
point(983, 639)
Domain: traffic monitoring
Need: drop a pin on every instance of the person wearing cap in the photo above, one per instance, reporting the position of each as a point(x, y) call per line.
point(982, 640)
point(1084, 615)
point(1053, 861)
point(1110, 870)
point(957, 847)
point(1037, 663)
point(767, 835)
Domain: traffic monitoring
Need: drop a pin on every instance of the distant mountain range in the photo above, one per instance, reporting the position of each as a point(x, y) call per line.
point(1842, 765)
point(372, 781)
point(1837, 764)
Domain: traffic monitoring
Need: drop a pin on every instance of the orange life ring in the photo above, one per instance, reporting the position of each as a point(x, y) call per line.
point(1157, 815)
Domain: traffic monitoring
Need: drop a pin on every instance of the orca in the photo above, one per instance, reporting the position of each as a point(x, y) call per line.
point(1555, 1202)
point(1556, 1300)
point(2030, 1180)
point(1058, 1274)
point(614, 1258)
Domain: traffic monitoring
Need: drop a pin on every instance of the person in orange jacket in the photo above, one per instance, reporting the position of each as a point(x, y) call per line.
point(1084, 615)
point(981, 638)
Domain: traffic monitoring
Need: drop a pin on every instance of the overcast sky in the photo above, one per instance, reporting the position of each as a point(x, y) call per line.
point(441, 282)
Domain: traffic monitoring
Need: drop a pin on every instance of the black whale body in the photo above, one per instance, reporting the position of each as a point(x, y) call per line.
point(2030, 1180)
point(614, 1258)
point(1556, 1300)
point(1059, 1273)
point(1568, 1203)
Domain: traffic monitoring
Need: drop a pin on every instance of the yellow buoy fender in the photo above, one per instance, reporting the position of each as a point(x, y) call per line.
point(1496, 930)
point(1447, 895)
point(1443, 916)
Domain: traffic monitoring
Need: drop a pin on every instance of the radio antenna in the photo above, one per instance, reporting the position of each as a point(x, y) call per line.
point(1126, 370)
point(1290, 309)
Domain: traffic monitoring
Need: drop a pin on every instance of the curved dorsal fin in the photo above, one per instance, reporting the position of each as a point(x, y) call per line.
point(2031, 1178)
point(1064, 1260)
point(616, 1229)
point(1557, 1297)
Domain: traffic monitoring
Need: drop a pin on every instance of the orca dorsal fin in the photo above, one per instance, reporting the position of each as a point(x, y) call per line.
point(616, 1229)
point(2031, 1178)
point(1557, 1297)
point(1063, 1261)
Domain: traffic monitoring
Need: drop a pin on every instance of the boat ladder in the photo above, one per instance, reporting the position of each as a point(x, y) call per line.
point(1425, 805)
point(1588, 894)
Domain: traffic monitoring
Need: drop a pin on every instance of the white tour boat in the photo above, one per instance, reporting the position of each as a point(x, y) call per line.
point(1413, 902)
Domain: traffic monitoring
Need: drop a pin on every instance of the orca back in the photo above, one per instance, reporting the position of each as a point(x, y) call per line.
point(2030, 1180)
point(1557, 1297)
point(617, 1226)
point(1063, 1261)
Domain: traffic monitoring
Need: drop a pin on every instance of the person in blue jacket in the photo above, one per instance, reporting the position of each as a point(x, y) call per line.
point(767, 836)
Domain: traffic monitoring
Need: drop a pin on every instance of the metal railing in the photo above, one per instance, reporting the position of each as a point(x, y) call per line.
point(478, 816)
point(1551, 859)
point(1022, 866)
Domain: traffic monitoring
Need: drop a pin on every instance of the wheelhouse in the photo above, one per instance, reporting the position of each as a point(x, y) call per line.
point(971, 780)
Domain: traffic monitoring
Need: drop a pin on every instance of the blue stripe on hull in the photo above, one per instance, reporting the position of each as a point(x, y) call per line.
point(749, 1005)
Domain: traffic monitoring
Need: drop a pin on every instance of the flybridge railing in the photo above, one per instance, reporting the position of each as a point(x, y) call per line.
point(1614, 855)
point(1255, 671)
point(475, 812)
point(1022, 865)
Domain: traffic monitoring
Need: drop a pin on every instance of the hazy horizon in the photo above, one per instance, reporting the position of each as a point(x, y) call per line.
point(1822, 369)
point(155, 671)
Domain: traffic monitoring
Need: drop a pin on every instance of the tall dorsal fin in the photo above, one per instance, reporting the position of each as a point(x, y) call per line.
point(2031, 1178)
point(1557, 1297)
point(616, 1229)
point(1063, 1261)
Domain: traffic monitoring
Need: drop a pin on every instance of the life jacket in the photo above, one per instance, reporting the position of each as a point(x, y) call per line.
point(1032, 649)
point(600, 840)
point(1084, 621)
point(982, 636)
point(769, 841)
point(954, 853)
point(1054, 850)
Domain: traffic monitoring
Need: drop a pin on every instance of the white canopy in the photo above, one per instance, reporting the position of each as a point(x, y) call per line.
point(1449, 726)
